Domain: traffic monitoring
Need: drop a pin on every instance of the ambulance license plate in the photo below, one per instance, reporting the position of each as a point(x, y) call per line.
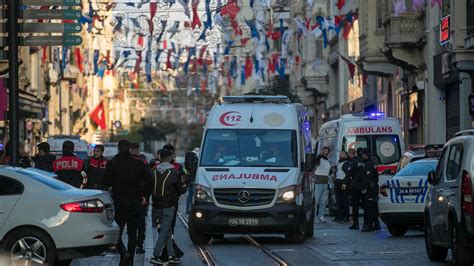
point(410, 191)
point(243, 221)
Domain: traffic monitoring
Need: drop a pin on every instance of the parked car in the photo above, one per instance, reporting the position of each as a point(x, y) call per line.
point(449, 211)
point(402, 198)
point(43, 220)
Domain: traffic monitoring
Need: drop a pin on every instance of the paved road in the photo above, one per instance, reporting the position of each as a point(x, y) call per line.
point(333, 244)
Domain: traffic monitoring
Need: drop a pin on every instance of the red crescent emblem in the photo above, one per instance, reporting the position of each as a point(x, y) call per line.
point(231, 118)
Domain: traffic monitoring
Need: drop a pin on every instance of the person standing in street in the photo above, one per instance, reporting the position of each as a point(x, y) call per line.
point(94, 167)
point(323, 169)
point(340, 184)
point(356, 185)
point(69, 167)
point(371, 193)
point(135, 151)
point(129, 182)
point(167, 187)
point(45, 160)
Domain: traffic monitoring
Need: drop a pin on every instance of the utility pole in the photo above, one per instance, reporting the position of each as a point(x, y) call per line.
point(13, 94)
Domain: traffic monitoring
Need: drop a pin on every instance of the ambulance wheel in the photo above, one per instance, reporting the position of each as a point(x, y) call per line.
point(298, 235)
point(310, 225)
point(397, 229)
point(198, 237)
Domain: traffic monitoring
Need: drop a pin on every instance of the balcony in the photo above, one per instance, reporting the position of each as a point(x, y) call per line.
point(404, 40)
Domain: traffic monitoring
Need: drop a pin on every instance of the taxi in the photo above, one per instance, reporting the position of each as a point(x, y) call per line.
point(402, 198)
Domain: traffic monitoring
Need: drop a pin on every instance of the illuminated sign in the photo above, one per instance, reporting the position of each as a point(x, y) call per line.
point(444, 30)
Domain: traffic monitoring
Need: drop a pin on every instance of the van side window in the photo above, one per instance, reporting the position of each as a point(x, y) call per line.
point(454, 162)
point(441, 164)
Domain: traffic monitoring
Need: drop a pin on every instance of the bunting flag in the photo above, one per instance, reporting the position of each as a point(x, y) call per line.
point(64, 59)
point(148, 66)
point(253, 30)
point(248, 67)
point(323, 28)
point(177, 57)
point(301, 26)
point(347, 26)
point(191, 53)
point(98, 116)
point(201, 54)
point(135, 23)
point(173, 29)
point(138, 63)
point(196, 21)
point(96, 61)
point(77, 53)
point(157, 58)
point(185, 4)
point(168, 60)
point(399, 7)
point(208, 22)
point(350, 64)
point(231, 9)
point(118, 25)
point(44, 54)
point(340, 4)
point(285, 39)
point(153, 9)
point(160, 35)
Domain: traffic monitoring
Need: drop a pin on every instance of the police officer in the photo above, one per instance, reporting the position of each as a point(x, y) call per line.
point(95, 169)
point(44, 160)
point(370, 191)
point(69, 167)
point(356, 179)
point(130, 185)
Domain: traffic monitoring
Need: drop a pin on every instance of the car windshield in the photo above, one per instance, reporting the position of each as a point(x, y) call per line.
point(249, 147)
point(46, 178)
point(385, 149)
point(418, 168)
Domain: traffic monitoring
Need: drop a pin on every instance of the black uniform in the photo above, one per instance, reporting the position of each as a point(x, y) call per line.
point(342, 196)
point(45, 162)
point(130, 183)
point(95, 171)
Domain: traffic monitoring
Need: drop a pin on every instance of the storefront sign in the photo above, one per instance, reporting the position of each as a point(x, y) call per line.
point(444, 30)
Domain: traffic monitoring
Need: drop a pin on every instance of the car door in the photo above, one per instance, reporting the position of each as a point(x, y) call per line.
point(450, 190)
point(435, 197)
point(10, 192)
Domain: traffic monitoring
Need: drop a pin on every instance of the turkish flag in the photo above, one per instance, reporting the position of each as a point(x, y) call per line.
point(98, 116)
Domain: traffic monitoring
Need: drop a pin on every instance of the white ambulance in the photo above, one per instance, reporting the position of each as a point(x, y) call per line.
point(252, 171)
point(381, 135)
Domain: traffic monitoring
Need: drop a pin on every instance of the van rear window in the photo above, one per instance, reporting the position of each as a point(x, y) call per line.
point(385, 149)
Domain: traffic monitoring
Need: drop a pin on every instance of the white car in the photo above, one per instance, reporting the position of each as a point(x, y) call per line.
point(43, 220)
point(402, 198)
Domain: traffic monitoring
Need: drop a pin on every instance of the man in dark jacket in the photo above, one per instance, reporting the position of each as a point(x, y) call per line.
point(371, 193)
point(167, 187)
point(95, 169)
point(69, 167)
point(45, 160)
point(340, 186)
point(129, 183)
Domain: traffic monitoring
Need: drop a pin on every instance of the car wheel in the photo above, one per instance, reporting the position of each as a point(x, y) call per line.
point(298, 235)
point(30, 246)
point(434, 253)
point(198, 237)
point(397, 229)
point(310, 225)
point(460, 254)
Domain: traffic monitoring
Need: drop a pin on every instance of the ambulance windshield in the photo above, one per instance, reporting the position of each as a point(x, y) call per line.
point(385, 149)
point(249, 148)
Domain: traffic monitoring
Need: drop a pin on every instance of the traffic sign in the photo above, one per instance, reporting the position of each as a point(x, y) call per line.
point(50, 40)
point(50, 27)
point(51, 2)
point(50, 14)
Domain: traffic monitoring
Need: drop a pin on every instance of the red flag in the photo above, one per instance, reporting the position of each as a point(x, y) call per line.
point(414, 118)
point(201, 55)
point(140, 41)
point(235, 25)
point(98, 116)
point(168, 60)
point(153, 8)
point(248, 67)
point(77, 52)
point(244, 41)
point(347, 30)
point(203, 84)
point(349, 63)
point(138, 63)
point(231, 9)
point(196, 21)
point(44, 56)
point(340, 4)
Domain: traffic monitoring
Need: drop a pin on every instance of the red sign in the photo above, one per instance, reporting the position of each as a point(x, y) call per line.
point(444, 30)
point(368, 130)
point(230, 118)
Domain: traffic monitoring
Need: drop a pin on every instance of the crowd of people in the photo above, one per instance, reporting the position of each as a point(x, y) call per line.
point(355, 180)
point(134, 183)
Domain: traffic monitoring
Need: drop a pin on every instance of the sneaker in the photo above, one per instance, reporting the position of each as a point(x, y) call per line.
point(157, 260)
point(354, 227)
point(322, 220)
point(174, 260)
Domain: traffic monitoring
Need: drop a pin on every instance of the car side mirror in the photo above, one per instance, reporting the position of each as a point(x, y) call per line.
point(431, 177)
point(191, 161)
point(308, 164)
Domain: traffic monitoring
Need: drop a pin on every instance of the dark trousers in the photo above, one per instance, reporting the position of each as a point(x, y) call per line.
point(357, 197)
point(126, 213)
point(342, 200)
point(370, 208)
point(141, 225)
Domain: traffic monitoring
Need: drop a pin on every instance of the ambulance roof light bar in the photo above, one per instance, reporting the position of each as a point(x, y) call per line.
point(372, 115)
point(256, 99)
